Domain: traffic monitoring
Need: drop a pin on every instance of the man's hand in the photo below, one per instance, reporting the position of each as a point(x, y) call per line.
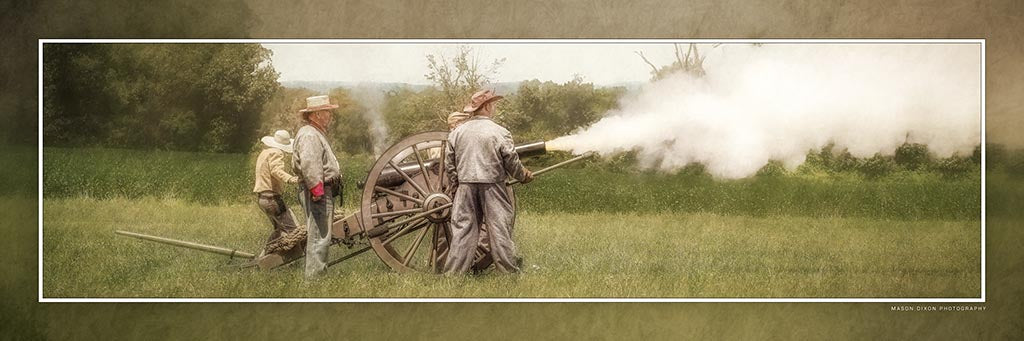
point(317, 191)
point(528, 176)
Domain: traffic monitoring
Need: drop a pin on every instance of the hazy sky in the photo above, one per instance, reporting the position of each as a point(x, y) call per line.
point(407, 63)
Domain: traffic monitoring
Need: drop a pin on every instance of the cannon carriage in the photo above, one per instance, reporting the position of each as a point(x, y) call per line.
point(403, 214)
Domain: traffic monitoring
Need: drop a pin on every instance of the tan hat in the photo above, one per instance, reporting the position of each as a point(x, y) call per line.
point(479, 99)
point(281, 140)
point(457, 117)
point(317, 103)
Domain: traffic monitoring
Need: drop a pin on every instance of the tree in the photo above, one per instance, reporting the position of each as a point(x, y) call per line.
point(75, 108)
point(459, 77)
point(121, 19)
point(350, 131)
point(912, 156)
point(205, 97)
point(282, 110)
point(545, 110)
point(407, 112)
point(690, 62)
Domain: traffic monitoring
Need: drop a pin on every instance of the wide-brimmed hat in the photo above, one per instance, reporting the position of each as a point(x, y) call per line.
point(317, 103)
point(281, 140)
point(457, 117)
point(479, 99)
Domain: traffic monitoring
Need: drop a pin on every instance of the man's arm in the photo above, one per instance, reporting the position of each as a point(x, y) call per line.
point(449, 163)
point(277, 168)
point(510, 159)
point(310, 151)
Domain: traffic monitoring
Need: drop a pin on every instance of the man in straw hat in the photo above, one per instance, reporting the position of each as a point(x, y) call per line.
point(479, 158)
point(320, 176)
point(270, 178)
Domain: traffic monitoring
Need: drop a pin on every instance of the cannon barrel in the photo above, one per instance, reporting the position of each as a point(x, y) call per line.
point(189, 245)
point(390, 178)
point(531, 149)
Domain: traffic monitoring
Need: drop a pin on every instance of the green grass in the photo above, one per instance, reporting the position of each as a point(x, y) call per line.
point(901, 196)
point(567, 255)
point(590, 187)
point(207, 178)
point(590, 230)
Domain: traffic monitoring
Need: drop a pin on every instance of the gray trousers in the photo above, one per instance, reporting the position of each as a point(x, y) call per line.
point(473, 204)
point(319, 215)
point(280, 218)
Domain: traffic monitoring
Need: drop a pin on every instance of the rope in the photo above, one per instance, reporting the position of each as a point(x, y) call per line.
point(288, 241)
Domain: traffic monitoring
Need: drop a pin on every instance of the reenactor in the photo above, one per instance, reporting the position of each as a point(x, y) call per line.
point(270, 177)
point(480, 157)
point(320, 180)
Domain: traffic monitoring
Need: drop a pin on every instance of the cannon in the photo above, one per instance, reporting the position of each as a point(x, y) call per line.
point(403, 213)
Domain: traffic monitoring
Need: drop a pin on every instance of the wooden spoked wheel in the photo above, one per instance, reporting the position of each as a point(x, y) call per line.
point(406, 205)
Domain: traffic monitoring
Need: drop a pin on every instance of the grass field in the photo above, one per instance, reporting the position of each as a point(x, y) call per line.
point(585, 231)
point(567, 255)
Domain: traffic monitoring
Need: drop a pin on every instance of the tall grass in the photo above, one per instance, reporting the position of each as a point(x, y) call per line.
point(589, 187)
point(207, 178)
point(899, 196)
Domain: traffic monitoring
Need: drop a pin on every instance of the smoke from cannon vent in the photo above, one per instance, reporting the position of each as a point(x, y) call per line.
point(778, 102)
point(373, 99)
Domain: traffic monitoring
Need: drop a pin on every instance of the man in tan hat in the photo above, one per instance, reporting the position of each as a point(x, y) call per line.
point(479, 158)
point(456, 118)
point(270, 178)
point(320, 175)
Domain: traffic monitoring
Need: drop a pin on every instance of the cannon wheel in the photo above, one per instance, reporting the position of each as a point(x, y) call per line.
point(405, 246)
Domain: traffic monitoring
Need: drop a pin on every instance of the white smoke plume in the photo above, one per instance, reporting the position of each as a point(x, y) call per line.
point(777, 102)
point(372, 98)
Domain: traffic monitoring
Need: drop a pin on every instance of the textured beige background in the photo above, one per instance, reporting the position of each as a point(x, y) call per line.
point(998, 22)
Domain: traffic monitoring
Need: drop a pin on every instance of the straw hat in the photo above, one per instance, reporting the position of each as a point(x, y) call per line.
point(457, 117)
point(479, 99)
point(281, 140)
point(317, 103)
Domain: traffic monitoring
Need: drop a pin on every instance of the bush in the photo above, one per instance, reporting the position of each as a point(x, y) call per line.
point(833, 161)
point(772, 169)
point(876, 166)
point(912, 156)
point(954, 166)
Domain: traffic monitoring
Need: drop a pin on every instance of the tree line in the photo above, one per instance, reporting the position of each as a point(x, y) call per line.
point(223, 97)
point(192, 97)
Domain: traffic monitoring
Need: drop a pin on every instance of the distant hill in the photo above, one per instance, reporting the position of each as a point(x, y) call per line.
point(501, 87)
point(325, 86)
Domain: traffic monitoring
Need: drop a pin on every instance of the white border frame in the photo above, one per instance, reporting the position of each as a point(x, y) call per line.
point(981, 43)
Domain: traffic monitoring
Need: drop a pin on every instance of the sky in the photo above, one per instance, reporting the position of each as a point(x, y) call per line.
point(602, 64)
